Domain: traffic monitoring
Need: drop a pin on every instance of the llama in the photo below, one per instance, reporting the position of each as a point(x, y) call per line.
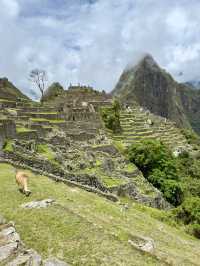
point(22, 181)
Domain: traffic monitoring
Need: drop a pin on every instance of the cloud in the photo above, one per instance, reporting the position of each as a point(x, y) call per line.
point(91, 42)
point(9, 8)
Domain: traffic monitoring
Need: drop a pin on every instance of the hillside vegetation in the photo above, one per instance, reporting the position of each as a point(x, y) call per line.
point(84, 229)
point(177, 177)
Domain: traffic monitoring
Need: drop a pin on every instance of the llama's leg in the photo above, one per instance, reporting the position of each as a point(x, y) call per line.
point(27, 192)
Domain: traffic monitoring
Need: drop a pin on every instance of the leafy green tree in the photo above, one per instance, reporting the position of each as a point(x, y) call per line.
point(111, 117)
point(148, 155)
point(172, 191)
point(189, 211)
point(159, 167)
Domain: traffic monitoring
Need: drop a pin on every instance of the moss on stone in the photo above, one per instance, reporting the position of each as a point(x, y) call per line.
point(8, 146)
point(130, 168)
point(109, 181)
point(46, 151)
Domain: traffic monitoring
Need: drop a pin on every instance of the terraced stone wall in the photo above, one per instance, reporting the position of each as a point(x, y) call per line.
point(2, 139)
point(8, 128)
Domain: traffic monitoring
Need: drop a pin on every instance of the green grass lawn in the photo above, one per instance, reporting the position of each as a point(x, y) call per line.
point(85, 229)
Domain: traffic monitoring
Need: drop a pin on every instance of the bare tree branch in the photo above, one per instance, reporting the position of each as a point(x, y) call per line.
point(38, 77)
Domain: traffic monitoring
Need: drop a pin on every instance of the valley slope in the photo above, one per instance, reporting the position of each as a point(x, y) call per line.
point(82, 228)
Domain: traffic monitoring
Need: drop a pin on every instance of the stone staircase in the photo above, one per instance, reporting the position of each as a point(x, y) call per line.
point(138, 125)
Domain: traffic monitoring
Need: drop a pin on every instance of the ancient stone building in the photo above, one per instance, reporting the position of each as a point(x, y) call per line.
point(7, 130)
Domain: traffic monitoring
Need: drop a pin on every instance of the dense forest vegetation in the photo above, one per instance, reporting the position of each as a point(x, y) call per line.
point(177, 177)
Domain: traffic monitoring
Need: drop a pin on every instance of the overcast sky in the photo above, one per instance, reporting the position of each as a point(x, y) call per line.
point(92, 41)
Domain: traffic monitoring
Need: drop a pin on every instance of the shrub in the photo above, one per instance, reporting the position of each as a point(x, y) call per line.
point(191, 137)
point(111, 117)
point(172, 191)
point(8, 146)
point(189, 211)
point(192, 187)
point(149, 155)
point(159, 167)
point(157, 178)
point(195, 230)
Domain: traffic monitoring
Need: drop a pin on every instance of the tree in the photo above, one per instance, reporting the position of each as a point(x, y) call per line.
point(39, 78)
point(116, 107)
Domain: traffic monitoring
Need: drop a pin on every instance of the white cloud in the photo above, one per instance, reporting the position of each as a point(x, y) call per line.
point(9, 8)
point(92, 43)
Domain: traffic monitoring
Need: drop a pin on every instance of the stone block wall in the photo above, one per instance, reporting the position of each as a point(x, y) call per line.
point(7, 104)
point(2, 139)
point(8, 128)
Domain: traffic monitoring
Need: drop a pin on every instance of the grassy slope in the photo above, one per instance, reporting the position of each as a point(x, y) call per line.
point(9, 91)
point(85, 229)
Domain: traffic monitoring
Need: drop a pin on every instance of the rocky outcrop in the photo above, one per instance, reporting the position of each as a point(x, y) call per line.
point(54, 262)
point(145, 244)
point(153, 88)
point(13, 252)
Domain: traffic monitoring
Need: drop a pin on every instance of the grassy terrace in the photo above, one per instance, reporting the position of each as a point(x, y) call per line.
point(24, 130)
point(84, 229)
point(134, 130)
point(107, 180)
point(51, 121)
point(6, 101)
point(44, 113)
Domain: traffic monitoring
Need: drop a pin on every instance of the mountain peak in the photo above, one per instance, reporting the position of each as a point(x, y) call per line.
point(148, 60)
point(150, 86)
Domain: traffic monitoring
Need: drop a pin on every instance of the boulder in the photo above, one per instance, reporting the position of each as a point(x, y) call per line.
point(10, 234)
point(54, 262)
point(27, 257)
point(7, 251)
point(145, 244)
point(38, 204)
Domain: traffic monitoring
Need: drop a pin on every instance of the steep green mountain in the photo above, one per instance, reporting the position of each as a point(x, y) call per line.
point(153, 88)
point(9, 91)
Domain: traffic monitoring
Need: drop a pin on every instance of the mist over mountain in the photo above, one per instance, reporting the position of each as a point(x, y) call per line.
point(193, 83)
